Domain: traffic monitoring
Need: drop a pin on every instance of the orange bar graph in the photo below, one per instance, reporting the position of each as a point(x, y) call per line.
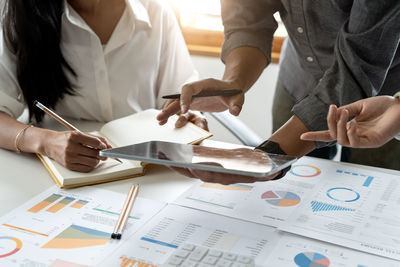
point(43, 204)
point(79, 204)
point(58, 206)
point(126, 262)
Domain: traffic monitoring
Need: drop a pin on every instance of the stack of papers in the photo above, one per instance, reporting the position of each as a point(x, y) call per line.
point(321, 214)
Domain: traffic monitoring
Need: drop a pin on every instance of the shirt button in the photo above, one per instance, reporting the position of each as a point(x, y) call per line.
point(300, 30)
point(310, 59)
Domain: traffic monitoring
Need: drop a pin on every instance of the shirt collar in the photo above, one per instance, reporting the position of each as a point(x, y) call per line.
point(136, 9)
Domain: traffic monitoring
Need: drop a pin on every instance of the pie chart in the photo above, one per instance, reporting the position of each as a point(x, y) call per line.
point(281, 198)
point(311, 259)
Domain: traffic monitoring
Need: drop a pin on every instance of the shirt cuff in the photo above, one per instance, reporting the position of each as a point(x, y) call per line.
point(397, 95)
point(250, 39)
point(312, 112)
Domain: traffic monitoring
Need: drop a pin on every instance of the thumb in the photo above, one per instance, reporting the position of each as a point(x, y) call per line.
point(235, 104)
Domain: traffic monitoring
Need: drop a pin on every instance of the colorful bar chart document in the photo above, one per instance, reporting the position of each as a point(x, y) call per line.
point(61, 204)
point(268, 203)
point(175, 225)
point(68, 227)
point(293, 250)
point(352, 207)
point(43, 204)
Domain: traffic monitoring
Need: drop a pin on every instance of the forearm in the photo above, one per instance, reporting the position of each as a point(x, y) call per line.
point(30, 140)
point(243, 66)
point(288, 138)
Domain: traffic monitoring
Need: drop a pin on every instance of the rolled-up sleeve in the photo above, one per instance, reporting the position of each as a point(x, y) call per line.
point(365, 53)
point(11, 100)
point(248, 23)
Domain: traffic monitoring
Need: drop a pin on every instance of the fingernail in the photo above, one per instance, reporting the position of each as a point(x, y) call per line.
point(235, 110)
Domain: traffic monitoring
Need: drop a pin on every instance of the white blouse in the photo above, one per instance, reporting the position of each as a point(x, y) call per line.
point(145, 58)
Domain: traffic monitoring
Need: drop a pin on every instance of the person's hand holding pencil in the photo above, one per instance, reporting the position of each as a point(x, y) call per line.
point(73, 149)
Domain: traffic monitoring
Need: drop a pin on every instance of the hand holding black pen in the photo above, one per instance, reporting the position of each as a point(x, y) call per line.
point(209, 95)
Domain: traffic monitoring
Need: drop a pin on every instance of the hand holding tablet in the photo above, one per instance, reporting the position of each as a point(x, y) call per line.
point(248, 164)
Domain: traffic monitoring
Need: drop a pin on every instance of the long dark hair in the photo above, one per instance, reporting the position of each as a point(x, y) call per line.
point(32, 32)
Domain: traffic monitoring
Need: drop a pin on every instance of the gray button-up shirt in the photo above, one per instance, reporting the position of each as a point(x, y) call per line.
point(338, 51)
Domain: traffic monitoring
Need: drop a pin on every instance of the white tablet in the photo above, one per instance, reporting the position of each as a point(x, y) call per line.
point(242, 161)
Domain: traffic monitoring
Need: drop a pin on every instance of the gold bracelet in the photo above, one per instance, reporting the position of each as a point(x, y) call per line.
point(18, 136)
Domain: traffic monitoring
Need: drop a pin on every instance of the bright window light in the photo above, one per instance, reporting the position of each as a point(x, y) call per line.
point(206, 15)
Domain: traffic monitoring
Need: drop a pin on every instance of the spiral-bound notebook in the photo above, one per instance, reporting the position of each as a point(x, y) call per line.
point(136, 128)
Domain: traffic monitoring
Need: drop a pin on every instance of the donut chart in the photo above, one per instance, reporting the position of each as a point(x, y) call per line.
point(343, 194)
point(9, 246)
point(306, 171)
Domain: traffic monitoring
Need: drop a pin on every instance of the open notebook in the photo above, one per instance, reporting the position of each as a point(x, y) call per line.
point(136, 128)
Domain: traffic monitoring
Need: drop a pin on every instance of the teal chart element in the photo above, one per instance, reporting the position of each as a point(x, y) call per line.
point(320, 206)
point(311, 259)
point(343, 194)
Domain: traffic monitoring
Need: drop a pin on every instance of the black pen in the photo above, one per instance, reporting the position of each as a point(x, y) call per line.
point(208, 93)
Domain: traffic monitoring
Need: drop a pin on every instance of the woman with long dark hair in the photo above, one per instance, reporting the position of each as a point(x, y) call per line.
point(87, 59)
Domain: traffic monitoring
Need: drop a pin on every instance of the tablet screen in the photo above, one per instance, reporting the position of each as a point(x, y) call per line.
point(243, 161)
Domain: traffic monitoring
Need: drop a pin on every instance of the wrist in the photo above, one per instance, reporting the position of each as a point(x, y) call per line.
point(35, 140)
point(288, 137)
point(243, 66)
point(236, 83)
point(274, 148)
